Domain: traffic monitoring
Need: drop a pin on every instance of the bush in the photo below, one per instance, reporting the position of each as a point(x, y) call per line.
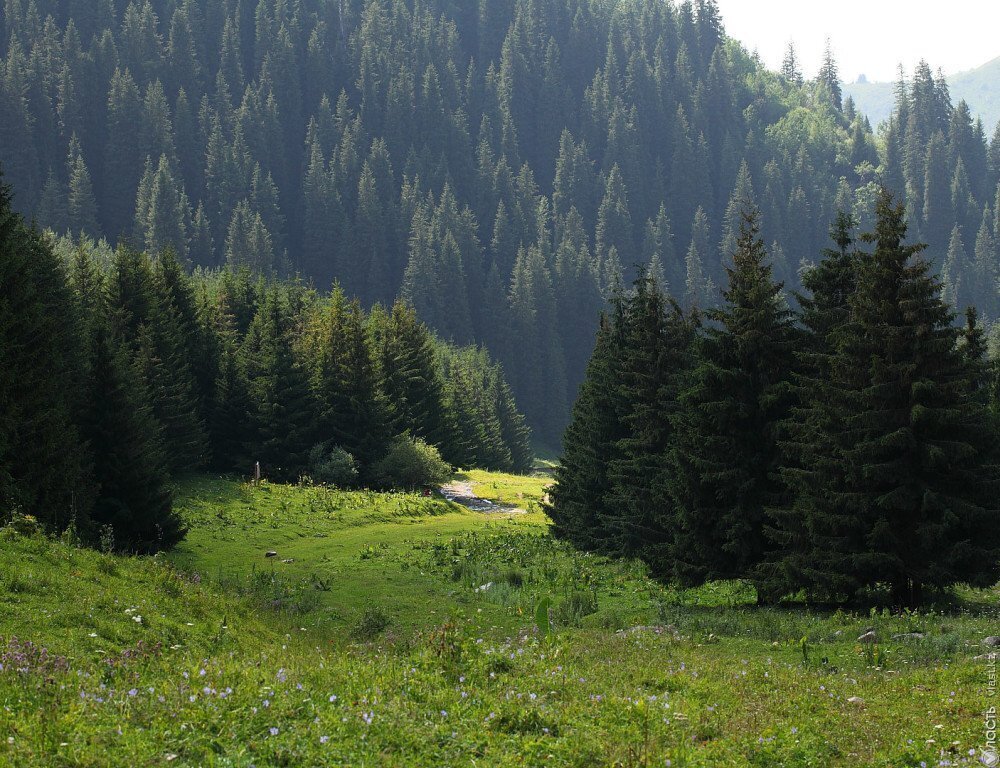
point(372, 623)
point(332, 466)
point(411, 463)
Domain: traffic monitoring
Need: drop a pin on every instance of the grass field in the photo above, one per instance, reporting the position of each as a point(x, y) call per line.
point(393, 630)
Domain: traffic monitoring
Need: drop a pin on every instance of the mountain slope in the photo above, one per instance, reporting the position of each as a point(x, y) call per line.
point(979, 87)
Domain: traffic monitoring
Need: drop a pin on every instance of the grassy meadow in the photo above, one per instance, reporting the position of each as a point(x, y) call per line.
point(396, 630)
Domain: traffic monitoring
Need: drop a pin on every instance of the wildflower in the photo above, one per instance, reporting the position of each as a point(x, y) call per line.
point(137, 619)
point(134, 692)
point(324, 739)
point(274, 731)
point(333, 698)
point(281, 675)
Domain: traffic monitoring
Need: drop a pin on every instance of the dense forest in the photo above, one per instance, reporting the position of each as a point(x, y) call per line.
point(118, 371)
point(836, 451)
point(501, 164)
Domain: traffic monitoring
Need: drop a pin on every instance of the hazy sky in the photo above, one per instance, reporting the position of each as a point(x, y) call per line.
point(869, 36)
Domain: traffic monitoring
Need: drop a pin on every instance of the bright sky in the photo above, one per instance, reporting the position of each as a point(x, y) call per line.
point(869, 37)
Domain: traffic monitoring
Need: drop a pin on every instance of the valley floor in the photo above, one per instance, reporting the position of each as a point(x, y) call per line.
point(394, 630)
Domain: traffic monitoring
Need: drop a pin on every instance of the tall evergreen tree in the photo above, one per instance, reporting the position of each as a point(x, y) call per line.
point(134, 500)
point(42, 459)
point(724, 455)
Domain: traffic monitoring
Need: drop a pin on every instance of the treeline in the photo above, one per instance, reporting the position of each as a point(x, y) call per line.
point(118, 371)
point(497, 163)
point(837, 451)
point(948, 173)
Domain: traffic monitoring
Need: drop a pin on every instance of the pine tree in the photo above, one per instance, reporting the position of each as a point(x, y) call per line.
point(725, 454)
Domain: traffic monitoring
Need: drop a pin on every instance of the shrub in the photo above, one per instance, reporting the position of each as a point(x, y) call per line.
point(411, 463)
point(332, 466)
point(373, 622)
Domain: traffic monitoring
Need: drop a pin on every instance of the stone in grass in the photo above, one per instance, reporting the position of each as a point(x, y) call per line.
point(992, 641)
point(857, 700)
point(868, 638)
point(270, 553)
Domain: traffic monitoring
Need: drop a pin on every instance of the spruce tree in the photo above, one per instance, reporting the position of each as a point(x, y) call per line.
point(284, 410)
point(811, 532)
point(42, 460)
point(134, 500)
point(352, 408)
point(411, 377)
point(921, 469)
point(656, 341)
point(579, 498)
point(724, 455)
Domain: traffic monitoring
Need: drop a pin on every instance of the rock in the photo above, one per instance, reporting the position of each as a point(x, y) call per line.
point(270, 553)
point(992, 641)
point(868, 638)
point(907, 636)
point(856, 700)
point(288, 561)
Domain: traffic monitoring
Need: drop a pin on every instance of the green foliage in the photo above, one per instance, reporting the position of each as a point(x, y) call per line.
point(43, 462)
point(851, 460)
point(494, 166)
point(411, 463)
point(332, 466)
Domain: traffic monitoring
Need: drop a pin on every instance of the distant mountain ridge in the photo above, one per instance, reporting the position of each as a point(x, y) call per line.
point(979, 87)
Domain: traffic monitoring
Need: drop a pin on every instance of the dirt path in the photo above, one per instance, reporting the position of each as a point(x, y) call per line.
point(461, 493)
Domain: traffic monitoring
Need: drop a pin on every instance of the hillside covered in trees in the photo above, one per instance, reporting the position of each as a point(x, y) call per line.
point(118, 372)
point(501, 165)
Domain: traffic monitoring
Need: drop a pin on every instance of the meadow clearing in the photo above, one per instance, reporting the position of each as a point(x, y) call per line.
point(397, 630)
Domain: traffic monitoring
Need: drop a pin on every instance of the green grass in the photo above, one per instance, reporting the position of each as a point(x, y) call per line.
point(520, 491)
point(403, 634)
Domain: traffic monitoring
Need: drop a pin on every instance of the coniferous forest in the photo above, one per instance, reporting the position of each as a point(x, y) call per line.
point(430, 383)
point(501, 165)
point(837, 450)
point(120, 371)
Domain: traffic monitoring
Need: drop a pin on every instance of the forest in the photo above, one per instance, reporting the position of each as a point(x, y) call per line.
point(500, 165)
point(119, 372)
point(845, 452)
